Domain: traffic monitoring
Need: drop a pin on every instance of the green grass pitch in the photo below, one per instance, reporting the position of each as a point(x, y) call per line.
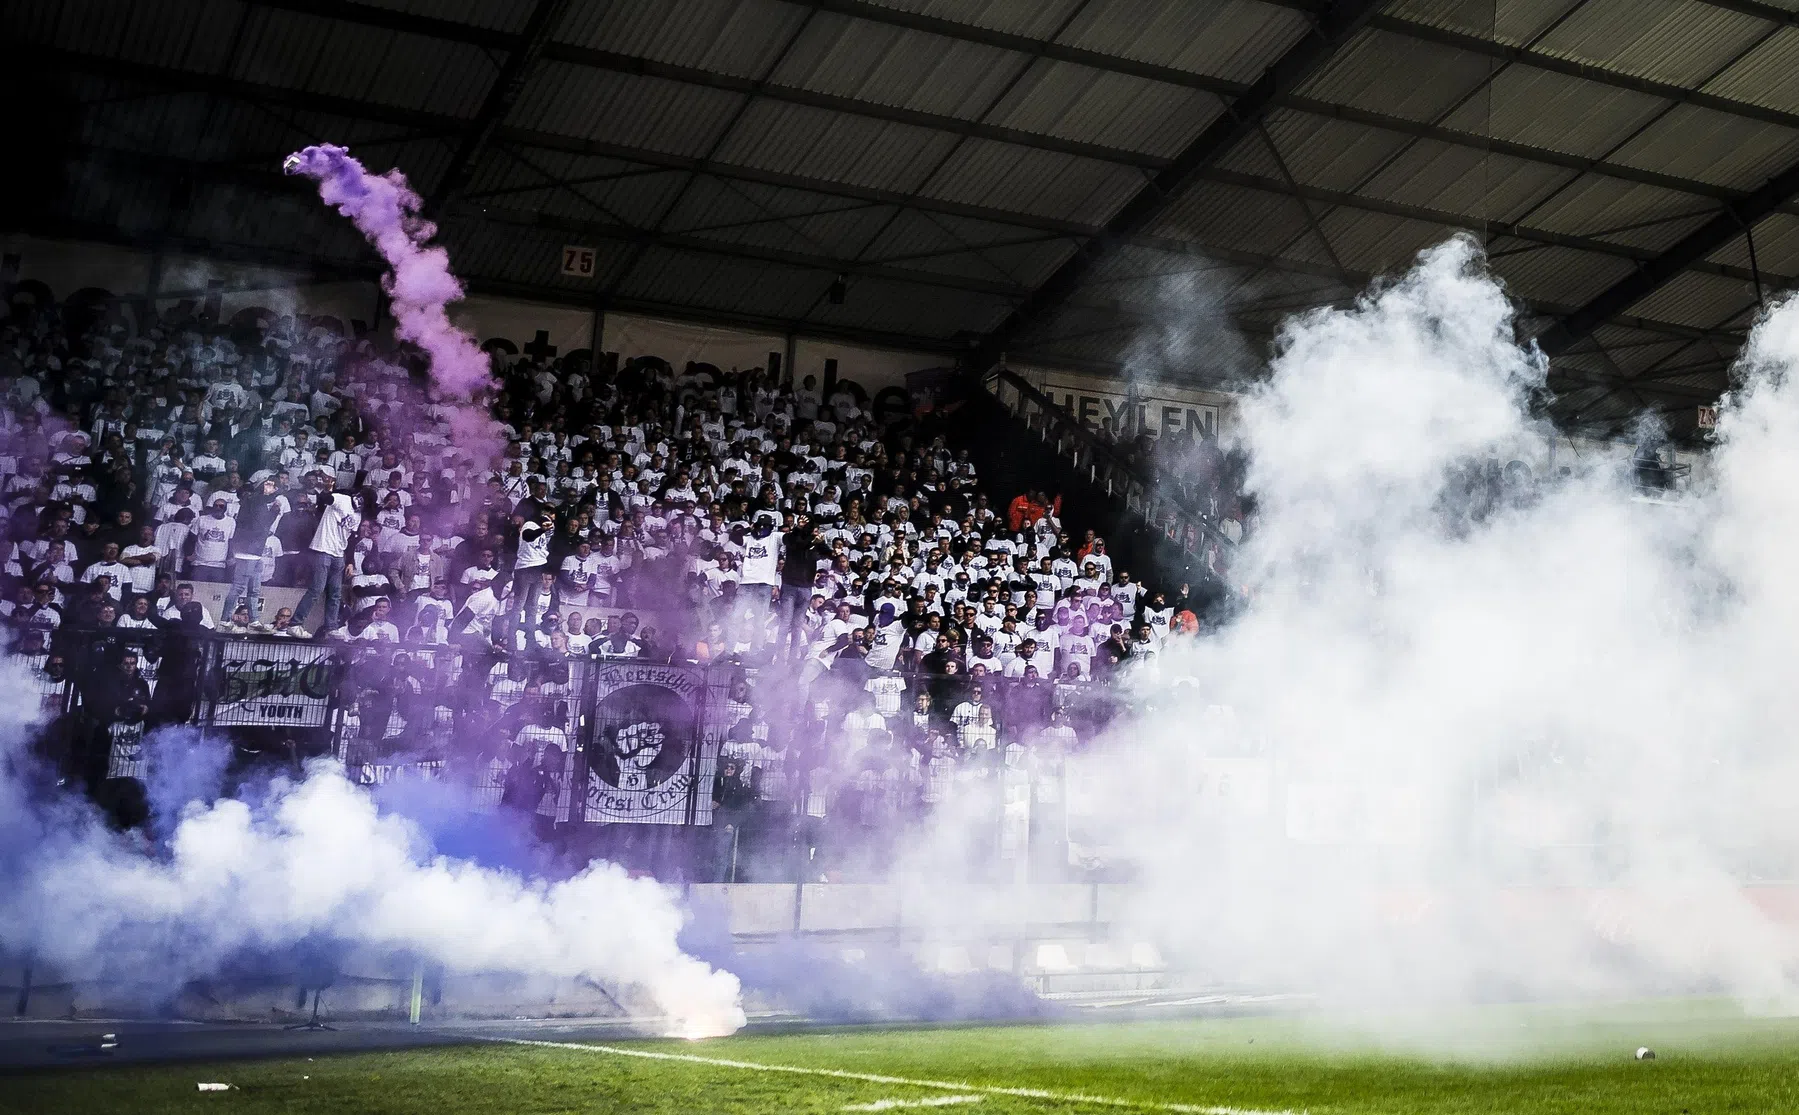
point(1711, 1059)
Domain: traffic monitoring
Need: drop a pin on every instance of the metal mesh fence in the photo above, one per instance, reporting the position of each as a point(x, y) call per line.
point(750, 753)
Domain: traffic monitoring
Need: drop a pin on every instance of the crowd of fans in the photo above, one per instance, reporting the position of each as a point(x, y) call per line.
point(638, 511)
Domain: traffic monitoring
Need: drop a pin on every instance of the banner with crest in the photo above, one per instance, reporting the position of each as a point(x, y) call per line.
point(644, 755)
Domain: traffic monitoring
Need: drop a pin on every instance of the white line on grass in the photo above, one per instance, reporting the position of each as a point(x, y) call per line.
point(889, 1105)
point(876, 1078)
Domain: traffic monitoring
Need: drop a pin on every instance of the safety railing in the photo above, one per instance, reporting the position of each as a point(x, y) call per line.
point(573, 739)
point(1105, 467)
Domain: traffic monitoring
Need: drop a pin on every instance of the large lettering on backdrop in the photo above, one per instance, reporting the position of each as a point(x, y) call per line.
point(1163, 409)
point(643, 764)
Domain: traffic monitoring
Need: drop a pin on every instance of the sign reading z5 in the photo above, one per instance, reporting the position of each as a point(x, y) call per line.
point(265, 678)
point(577, 261)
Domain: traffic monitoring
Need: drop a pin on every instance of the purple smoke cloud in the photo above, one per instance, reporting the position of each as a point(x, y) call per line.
point(385, 209)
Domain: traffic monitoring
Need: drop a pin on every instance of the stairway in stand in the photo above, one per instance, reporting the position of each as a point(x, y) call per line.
point(1020, 440)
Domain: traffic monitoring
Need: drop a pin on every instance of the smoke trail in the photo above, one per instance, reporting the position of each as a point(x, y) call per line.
point(316, 859)
point(385, 209)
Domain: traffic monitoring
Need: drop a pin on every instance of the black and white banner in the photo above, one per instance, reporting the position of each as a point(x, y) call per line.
point(289, 684)
point(643, 764)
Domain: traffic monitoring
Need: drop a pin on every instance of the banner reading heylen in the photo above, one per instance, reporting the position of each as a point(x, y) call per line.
point(643, 764)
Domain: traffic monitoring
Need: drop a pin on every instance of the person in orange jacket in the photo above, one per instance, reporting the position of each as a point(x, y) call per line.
point(1023, 509)
point(1028, 507)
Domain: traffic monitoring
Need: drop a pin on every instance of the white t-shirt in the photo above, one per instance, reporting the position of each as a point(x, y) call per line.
point(380, 631)
point(760, 558)
point(533, 547)
point(888, 640)
point(482, 606)
point(578, 574)
point(336, 525)
point(118, 571)
point(143, 576)
point(887, 690)
point(212, 539)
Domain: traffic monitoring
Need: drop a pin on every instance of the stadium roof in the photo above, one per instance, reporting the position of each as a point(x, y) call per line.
point(1059, 180)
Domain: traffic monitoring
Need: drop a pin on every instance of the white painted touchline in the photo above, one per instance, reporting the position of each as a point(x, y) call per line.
point(889, 1105)
point(876, 1078)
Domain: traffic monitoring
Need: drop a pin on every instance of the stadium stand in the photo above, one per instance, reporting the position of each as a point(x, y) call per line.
point(873, 622)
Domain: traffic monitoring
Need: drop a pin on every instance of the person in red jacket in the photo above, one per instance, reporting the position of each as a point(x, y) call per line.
point(1028, 507)
point(1024, 508)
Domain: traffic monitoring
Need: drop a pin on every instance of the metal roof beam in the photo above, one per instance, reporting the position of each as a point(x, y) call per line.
point(1332, 30)
point(1758, 8)
point(753, 252)
point(1229, 90)
point(1687, 254)
point(1224, 88)
point(546, 15)
point(275, 182)
point(1497, 228)
point(614, 62)
point(1536, 59)
point(325, 270)
point(436, 124)
point(686, 75)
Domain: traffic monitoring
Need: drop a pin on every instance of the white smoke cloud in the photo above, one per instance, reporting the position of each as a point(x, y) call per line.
point(1587, 691)
point(1439, 760)
point(316, 858)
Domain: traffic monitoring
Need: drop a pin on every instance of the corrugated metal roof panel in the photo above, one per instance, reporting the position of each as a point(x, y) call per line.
point(1693, 142)
point(624, 109)
point(1399, 76)
point(1668, 40)
point(1034, 18)
point(1515, 21)
point(1462, 180)
point(1555, 111)
point(164, 32)
point(756, 216)
point(1029, 264)
point(1768, 76)
point(906, 308)
point(40, 21)
point(1235, 39)
point(505, 176)
point(1024, 179)
point(1606, 208)
point(606, 190)
point(1332, 154)
point(1635, 352)
point(737, 37)
point(1714, 380)
point(1138, 261)
point(410, 71)
point(497, 15)
point(1235, 218)
point(974, 249)
point(282, 48)
point(637, 202)
point(1376, 243)
point(1701, 301)
point(1776, 247)
point(517, 254)
point(707, 281)
point(1079, 103)
point(925, 240)
point(892, 66)
point(1561, 275)
point(819, 143)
